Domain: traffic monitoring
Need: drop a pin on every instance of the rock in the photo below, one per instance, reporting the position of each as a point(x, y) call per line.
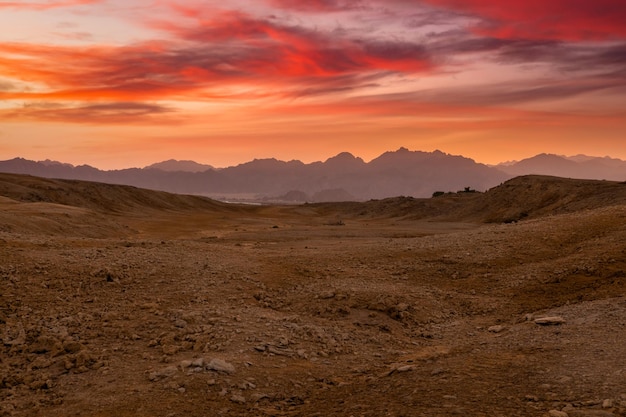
point(238, 399)
point(405, 368)
point(163, 373)
point(220, 365)
point(326, 295)
point(550, 321)
point(18, 340)
point(280, 351)
point(180, 323)
point(557, 413)
point(46, 344)
point(72, 346)
point(496, 329)
point(258, 397)
point(170, 349)
point(84, 358)
point(198, 362)
point(590, 413)
point(608, 403)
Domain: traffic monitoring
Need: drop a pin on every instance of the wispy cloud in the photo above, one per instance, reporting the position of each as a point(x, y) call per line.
point(568, 20)
point(200, 52)
point(44, 5)
point(319, 6)
point(120, 112)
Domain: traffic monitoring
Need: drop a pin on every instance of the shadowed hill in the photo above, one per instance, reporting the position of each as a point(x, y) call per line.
point(535, 196)
point(72, 208)
point(529, 196)
point(99, 197)
point(94, 209)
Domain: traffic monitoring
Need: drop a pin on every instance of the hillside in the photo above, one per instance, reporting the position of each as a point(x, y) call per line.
point(119, 301)
point(525, 197)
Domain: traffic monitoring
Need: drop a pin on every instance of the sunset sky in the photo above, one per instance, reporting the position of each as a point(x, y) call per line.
point(125, 83)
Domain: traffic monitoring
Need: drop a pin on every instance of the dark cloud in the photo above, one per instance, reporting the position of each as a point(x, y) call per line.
point(319, 6)
point(7, 86)
point(208, 53)
point(122, 112)
point(566, 20)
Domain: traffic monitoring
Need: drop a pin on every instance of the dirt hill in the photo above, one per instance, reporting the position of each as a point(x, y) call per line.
point(116, 301)
point(525, 197)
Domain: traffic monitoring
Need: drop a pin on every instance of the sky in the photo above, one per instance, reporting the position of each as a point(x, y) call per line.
point(118, 83)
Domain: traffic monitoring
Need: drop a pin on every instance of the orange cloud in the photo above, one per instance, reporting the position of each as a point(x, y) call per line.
point(93, 114)
point(232, 55)
point(272, 48)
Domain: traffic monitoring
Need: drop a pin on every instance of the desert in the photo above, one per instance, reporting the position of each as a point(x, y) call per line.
point(119, 301)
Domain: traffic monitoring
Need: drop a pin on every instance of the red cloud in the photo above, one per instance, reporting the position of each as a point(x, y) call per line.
point(318, 5)
point(569, 20)
point(274, 49)
point(230, 49)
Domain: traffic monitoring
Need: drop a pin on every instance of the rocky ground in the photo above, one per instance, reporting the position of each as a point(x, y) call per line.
point(308, 310)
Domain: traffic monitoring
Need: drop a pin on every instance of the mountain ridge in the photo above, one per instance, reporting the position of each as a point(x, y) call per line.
point(393, 173)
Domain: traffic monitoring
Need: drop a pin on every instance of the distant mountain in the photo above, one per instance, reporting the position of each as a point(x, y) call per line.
point(342, 177)
point(173, 165)
point(579, 166)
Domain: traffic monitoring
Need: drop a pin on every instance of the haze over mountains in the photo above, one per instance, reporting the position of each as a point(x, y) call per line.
point(340, 178)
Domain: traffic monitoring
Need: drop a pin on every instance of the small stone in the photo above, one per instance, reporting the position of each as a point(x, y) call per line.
point(402, 307)
point(180, 323)
point(198, 362)
point(258, 397)
point(163, 373)
point(185, 364)
point(557, 413)
point(238, 399)
point(46, 344)
point(170, 349)
point(496, 329)
point(550, 321)
point(72, 346)
point(590, 413)
point(327, 295)
point(220, 365)
point(405, 368)
point(608, 403)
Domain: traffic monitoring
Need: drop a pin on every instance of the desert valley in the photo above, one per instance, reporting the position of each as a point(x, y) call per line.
point(119, 301)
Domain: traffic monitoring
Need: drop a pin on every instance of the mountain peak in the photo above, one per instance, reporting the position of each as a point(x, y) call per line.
point(173, 165)
point(344, 157)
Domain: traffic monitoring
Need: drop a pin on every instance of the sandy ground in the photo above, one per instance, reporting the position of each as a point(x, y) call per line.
point(309, 311)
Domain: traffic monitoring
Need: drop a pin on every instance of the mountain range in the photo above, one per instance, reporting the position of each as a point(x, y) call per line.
point(340, 178)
